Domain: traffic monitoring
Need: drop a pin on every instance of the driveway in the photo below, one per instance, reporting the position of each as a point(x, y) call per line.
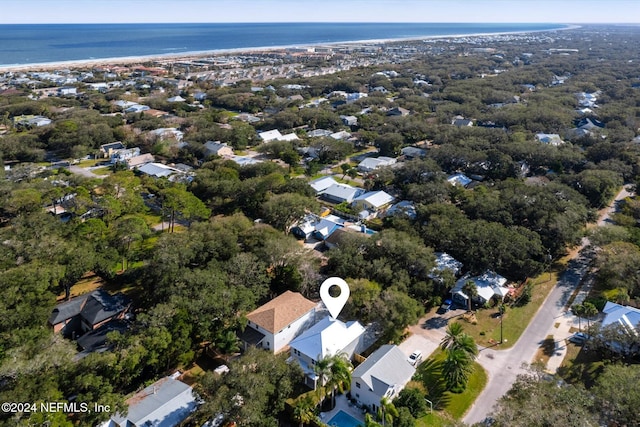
point(84, 172)
point(418, 342)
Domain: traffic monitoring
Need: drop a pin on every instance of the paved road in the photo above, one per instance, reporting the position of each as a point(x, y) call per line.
point(503, 366)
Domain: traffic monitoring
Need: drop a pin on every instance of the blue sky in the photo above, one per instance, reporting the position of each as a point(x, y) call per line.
point(89, 11)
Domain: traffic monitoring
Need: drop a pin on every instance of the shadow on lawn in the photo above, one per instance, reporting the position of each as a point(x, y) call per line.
point(430, 373)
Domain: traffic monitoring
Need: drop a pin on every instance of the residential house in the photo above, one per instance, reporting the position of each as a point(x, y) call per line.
point(177, 98)
point(137, 108)
point(124, 104)
point(372, 201)
point(550, 138)
point(462, 122)
point(137, 161)
point(322, 183)
point(626, 317)
point(165, 403)
point(244, 160)
point(102, 87)
point(626, 322)
point(349, 120)
point(87, 312)
point(341, 135)
point(339, 193)
point(372, 163)
point(168, 133)
point(444, 262)
point(124, 154)
point(308, 153)
point(317, 227)
point(217, 148)
point(158, 170)
point(413, 153)
point(30, 121)
point(354, 96)
point(326, 226)
point(246, 117)
point(398, 111)
point(317, 133)
point(97, 338)
point(403, 208)
point(289, 137)
point(200, 96)
point(325, 339)
point(488, 285)
point(67, 90)
point(459, 180)
point(380, 89)
point(270, 135)
point(383, 375)
point(275, 324)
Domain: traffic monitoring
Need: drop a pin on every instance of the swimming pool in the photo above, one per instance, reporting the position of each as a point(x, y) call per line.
point(342, 419)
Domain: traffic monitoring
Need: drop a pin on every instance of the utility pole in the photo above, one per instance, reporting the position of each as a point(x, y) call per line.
point(501, 310)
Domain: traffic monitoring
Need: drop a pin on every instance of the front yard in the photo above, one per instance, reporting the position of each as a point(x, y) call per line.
point(486, 330)
point(447, 406)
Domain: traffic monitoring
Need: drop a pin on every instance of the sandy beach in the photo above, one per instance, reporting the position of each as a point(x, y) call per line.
point(190, 56)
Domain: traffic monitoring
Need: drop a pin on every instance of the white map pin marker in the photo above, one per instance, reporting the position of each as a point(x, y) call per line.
point(334, 304)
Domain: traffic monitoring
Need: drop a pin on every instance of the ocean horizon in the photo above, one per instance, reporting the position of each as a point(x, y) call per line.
point(25, 44)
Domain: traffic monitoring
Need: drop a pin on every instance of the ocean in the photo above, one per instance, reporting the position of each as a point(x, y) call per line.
point(34, 44)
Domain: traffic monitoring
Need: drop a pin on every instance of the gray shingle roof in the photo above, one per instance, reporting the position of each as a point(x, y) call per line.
point(93, 308)
point(67, 310)
point(165, 403)
point(101, 306)
point(386, 367)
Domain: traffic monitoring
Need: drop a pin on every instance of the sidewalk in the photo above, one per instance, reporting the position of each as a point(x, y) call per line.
point(562, 332)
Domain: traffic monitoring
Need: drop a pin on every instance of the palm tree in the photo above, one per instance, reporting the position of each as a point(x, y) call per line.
point(303, 410)
point(454, 330)
point(456, 369)
point(370, 422)
point(340, 371)
point(455, 339)
point(322, 369)
point(588, 311)
point(578, 310)
point(387, 411)
point(470, 289)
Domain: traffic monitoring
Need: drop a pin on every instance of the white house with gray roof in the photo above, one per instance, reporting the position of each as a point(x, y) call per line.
point(622, 316)
point(322, 183)
point(372, 201)
point(339, 193)
point(165, 403)
point(326, 338)
point(372, 163)
point(383, 374)
point(488, 285)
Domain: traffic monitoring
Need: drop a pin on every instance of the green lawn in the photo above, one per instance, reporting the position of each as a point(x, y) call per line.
point(448, 406)
point(486, 331)
point(102, 171)
point(581, 366)
point(89, 162)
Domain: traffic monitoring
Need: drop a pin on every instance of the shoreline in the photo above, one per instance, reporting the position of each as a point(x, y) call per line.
point(192, 55)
